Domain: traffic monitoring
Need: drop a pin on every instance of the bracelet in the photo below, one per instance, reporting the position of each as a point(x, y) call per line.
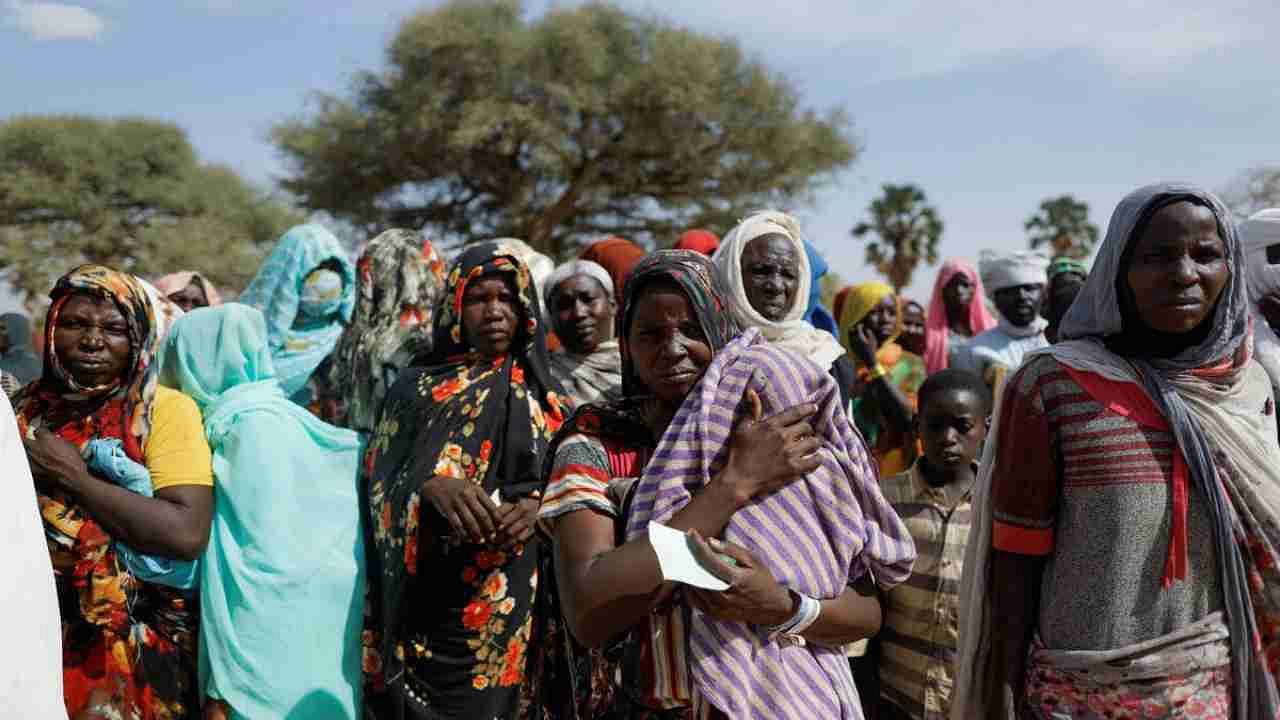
point(877, 371)
point(805, 616)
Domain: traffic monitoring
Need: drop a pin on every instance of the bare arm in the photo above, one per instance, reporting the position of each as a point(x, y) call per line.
point(854, 615)
point(173, 524)
point(1015, 585)
point(894, 405)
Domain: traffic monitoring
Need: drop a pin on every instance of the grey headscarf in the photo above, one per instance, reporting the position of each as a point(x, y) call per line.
point(1096, 315)
point(20, 360)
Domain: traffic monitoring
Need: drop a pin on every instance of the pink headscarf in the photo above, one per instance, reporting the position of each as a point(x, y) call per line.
point(935, 324)
point(172, 283)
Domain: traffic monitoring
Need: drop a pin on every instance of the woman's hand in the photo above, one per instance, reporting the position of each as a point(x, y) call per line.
point(863, 343)
point(470, 512)
point(753, 595)
point(516, 521)
point(768, 454)
point(53, 458)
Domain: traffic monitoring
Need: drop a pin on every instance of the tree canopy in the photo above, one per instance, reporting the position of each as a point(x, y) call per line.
point(905, 231)
point(127, 193)
point(1063, 224)
point(583, 122)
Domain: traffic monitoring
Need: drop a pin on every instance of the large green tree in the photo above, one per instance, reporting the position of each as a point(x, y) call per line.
point(903, 231)
point(128, 193)
point(1062, 224)
point(582, 122)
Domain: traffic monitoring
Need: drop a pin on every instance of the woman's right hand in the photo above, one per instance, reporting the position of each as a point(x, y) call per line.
point(464, 504)
point(766, 454)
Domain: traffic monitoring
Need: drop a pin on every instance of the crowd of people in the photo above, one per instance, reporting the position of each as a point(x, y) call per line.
point(418, 488)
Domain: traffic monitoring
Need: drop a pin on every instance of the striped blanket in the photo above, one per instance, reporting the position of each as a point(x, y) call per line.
point(816, 536)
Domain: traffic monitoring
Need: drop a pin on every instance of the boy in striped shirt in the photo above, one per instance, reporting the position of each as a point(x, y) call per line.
point(919, 636)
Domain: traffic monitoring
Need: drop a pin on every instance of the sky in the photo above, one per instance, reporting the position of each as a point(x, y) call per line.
point(990, 109)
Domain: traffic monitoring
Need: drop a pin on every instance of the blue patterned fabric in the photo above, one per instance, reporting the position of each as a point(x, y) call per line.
point(299, 335)
point(106, 457)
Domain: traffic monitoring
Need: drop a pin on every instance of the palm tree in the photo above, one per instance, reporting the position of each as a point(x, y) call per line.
point(1063, 224)
point(906, 231)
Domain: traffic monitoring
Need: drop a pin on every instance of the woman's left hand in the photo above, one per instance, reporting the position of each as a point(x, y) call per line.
point(753, 595)
point(53, 458)
point(516, 521)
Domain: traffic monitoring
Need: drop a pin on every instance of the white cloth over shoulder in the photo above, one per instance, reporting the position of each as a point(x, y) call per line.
point(1259, 232)
point(31, 661)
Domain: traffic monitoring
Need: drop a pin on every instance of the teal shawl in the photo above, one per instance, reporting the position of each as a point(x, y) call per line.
point(299, 343)
point(282, 583)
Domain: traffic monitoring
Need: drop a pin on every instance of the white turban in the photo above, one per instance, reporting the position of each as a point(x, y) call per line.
point(567, 270)
point(1006, 270)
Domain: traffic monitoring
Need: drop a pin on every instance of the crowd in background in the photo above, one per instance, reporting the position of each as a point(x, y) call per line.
point(419, 487)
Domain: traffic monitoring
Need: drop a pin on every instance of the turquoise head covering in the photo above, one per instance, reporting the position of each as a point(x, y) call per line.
point(305, 310)
point(285, 555)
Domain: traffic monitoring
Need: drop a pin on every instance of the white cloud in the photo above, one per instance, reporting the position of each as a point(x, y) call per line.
point(55, 21)
point(912, 38)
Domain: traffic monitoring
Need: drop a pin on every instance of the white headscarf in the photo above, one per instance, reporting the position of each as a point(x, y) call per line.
point(792, 331)
point(573, 268)
point(1259, 232)
point(31, 666)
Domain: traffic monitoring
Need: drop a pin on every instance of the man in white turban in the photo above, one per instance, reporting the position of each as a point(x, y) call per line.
point(1015, 282)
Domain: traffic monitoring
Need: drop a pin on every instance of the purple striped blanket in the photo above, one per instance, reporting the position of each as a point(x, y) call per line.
point(816, 536)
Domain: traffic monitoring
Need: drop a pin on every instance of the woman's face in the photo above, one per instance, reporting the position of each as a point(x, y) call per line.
point(190, 297)
point(1177, 269)
point(883, 318)
point(91, 340)
point(771, 275)
point(913, 328)
point(489, 314)
point(667, 346)
point(583, 314)
point(958, 293)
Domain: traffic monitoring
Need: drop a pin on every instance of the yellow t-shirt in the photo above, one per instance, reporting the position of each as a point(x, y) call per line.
point(176, 453)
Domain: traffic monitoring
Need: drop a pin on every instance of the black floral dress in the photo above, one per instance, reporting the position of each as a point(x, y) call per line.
point(449, 622)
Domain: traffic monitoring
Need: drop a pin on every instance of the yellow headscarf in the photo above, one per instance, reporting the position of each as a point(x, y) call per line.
point(855, 302)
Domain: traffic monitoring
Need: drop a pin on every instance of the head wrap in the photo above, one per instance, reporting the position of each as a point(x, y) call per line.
point(815, 314)
point(792, 331)
point(462, 415)
point(278, 291)
point(693, 273)
point(125, 405)
point(571, 269)
point(1260, 231)
point(1005, 270)
point(1214, 401)
point(617, 255)
point(1063, 265)
point(936, 323)
point(400, 280)
point(177, 282)
point(855, 302)
point(270, 453)
point(703, 241)
point(540, 266)
point(20, 359)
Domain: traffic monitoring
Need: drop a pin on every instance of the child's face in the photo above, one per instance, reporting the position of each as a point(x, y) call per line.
point(952, 427)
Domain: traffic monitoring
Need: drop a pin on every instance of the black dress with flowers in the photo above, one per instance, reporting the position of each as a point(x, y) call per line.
point(449, 623)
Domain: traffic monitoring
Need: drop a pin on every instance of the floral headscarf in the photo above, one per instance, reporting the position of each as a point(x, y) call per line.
point(125, 406)
point(400, 280)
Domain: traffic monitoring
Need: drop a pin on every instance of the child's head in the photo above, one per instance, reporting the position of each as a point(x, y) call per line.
point(954, 406)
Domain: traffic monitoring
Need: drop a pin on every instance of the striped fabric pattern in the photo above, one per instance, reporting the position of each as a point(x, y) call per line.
point(816, 535)
point(921, 631)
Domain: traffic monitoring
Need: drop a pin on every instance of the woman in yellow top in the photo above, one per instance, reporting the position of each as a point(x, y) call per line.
point(884, 393)
point(128, 644)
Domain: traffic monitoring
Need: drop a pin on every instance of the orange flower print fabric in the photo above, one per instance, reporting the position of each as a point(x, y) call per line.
point(448, 622)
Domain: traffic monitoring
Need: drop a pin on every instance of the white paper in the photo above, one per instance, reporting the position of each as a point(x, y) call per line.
point(496, 498)
point(677, 561)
